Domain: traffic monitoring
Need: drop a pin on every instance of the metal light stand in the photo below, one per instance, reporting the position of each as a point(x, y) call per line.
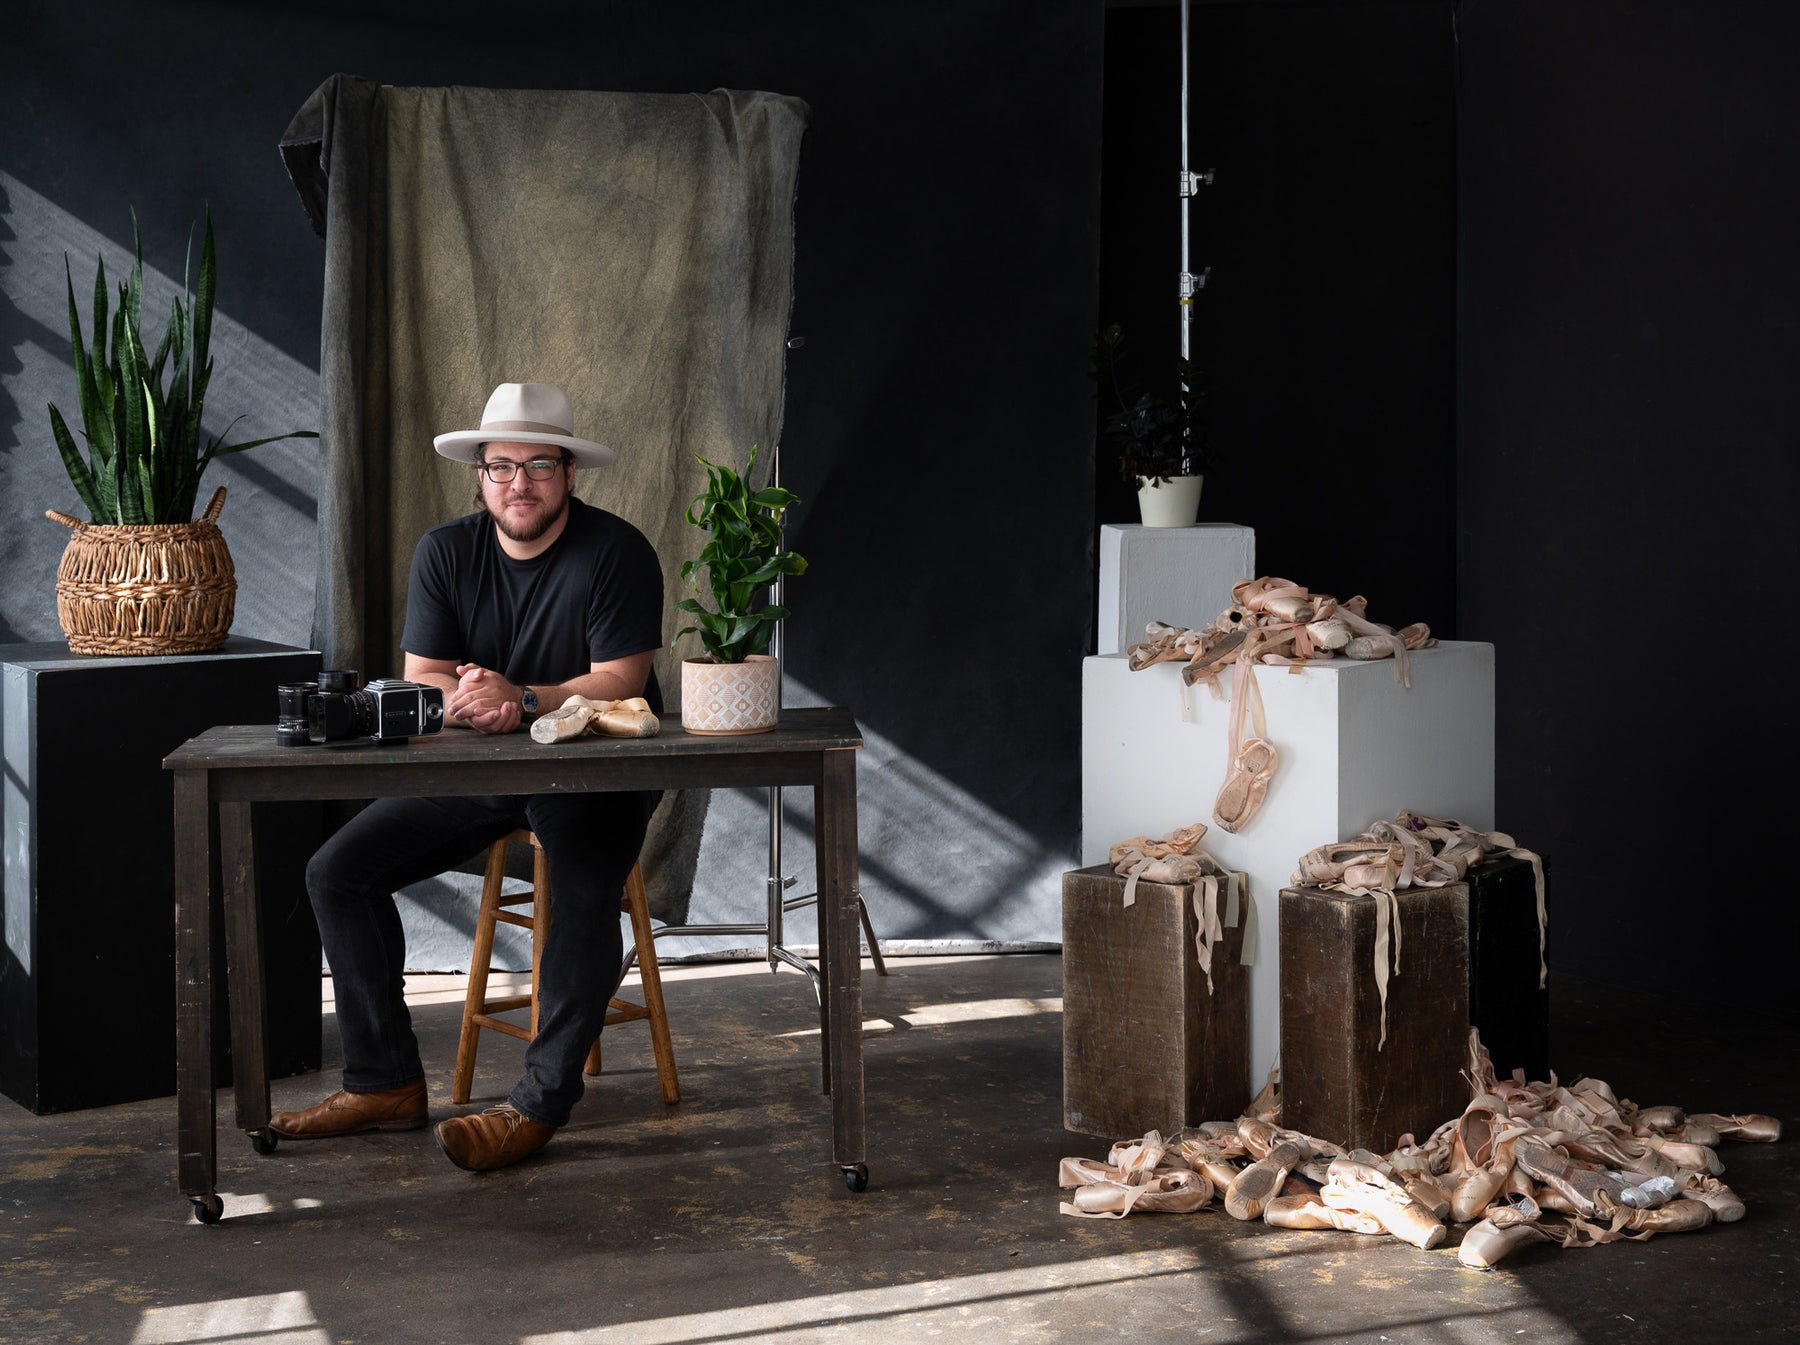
point(1189, 284)
point(777, 884)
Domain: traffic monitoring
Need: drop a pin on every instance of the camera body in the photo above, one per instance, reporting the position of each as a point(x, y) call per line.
point(389, 709)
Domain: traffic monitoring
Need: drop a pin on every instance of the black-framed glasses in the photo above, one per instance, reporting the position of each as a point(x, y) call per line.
point(500, 471)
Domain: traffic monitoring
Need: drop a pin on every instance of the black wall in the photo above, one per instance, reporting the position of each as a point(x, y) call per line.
point(1629, 413)
point(1502, 325)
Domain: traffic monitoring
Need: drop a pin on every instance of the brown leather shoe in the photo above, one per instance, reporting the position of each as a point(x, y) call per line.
point(342, 1113)
point(497, 1138)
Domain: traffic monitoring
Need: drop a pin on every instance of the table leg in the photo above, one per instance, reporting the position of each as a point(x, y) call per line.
point(244, 973)
point(841, 939)
point(195, 1122)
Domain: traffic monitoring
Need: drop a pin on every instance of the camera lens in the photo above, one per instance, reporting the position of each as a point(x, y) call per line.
point(332, 716)
point(340, 680)
point(291, 717)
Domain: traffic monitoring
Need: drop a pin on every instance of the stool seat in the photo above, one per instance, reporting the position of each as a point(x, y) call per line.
point(480, 1011)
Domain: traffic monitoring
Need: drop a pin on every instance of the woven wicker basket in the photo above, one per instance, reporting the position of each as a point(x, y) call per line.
point(154, 588)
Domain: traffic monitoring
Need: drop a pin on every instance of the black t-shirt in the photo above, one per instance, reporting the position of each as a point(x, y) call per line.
point(594, 595)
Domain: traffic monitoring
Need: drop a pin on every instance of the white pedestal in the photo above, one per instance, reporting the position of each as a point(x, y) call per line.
point(1182, 576)
point(1355, 747)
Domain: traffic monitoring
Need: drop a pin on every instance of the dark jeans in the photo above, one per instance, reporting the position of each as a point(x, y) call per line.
point(591, 842)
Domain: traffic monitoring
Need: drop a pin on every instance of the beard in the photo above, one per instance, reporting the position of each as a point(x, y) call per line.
point(533, 528)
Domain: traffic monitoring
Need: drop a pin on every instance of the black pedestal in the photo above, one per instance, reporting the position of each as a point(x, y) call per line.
point(1506, 1004)
point(87, 980)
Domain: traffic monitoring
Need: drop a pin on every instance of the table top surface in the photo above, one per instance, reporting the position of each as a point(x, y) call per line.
point(808, 730)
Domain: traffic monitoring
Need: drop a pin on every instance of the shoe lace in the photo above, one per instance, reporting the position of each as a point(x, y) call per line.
point(508, 1113)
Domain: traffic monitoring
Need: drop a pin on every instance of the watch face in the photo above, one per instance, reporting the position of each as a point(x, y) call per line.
point(528, 701)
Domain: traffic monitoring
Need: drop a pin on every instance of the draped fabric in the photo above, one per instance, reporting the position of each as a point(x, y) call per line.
point(636, 249)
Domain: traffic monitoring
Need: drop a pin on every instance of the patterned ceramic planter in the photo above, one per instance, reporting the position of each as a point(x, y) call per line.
point(722, 698)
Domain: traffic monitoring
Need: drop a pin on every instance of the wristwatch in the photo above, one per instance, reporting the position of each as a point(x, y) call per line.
point(528, 701)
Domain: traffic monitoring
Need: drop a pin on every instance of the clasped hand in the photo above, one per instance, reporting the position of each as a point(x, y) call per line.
point(484, 700)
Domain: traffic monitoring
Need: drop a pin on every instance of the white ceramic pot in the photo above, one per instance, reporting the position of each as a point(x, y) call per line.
point(723, 698)
point(1171, 503)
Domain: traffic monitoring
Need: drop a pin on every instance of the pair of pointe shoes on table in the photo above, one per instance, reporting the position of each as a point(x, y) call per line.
point(579, 717)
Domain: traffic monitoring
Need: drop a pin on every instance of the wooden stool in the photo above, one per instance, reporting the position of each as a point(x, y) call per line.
point(479, 1011)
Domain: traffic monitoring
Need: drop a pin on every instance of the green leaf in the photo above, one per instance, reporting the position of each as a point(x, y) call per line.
point(80, 473)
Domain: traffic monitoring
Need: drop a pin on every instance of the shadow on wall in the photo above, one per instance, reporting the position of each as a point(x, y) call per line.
point(270, 514)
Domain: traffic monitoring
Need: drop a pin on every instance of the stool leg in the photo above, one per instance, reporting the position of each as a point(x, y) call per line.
point(638, 903)
point(540, 920)
point(476, 1000)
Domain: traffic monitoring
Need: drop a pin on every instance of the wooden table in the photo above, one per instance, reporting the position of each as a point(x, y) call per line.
point(222, 772)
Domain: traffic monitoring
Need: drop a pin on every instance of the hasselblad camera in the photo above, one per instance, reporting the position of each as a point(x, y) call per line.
point(337, 709)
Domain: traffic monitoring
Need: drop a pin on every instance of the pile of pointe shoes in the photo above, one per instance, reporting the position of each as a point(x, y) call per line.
point(1411, 851)
point(1525, 1162)
point(1276, 621)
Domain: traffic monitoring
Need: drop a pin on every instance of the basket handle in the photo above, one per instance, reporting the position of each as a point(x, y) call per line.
point(214, 505)
point(67, 520)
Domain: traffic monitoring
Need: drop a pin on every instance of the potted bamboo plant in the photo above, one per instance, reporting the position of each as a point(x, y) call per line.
point(145, 576)
point(734, 687)
point(1159, 435)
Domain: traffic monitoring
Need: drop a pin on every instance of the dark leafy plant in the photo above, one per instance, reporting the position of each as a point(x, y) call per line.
point(145, 453)
point(1156, 435)
point(742, 558)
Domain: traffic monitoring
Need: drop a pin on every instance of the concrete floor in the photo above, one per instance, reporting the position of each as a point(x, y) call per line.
point(724, 1220)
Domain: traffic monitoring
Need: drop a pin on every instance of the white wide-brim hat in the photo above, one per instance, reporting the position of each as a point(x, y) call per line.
point(525, 413)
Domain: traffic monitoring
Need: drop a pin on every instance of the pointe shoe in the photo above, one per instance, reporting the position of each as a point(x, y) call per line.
point(567, 721)
point(1280, 598)
point(1475, 1130)
point(1428, 1193)
point(1487, 1243)
point(1310, 1212)
point(1164, 1191)
point(1664, 1120)
point(1166, 643)
point(1327, 863)
point(1360, 1187)
point(1368, 647)
point(1241, 796)
point(1681, 1215)
point(1212, 659)
point(1415, 636)
point(1252, 1189)
point(1751, 1128)
point(1331, 633)
point(1259, 1137)
point(1692, 1157)
point(1591, 1192)
point(1698, 1132)
point(1717, 1197)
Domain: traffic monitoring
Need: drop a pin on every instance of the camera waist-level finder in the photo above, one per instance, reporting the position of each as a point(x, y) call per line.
point(389, 709)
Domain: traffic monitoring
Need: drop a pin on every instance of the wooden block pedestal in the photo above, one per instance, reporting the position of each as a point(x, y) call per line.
point(1145, 1045)
point(1336, 1083)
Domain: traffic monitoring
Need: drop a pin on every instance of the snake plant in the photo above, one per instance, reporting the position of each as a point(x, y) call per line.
point(141, 414)
point(742, 558)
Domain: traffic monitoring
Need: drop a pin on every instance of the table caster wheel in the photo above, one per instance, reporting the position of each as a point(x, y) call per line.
point(208, 1209)
point(264, 1141)
point(856, 1177)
